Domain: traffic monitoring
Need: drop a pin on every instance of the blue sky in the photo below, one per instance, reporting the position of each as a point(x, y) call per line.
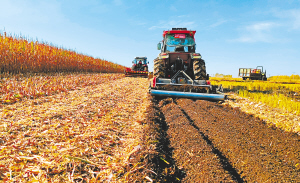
point(230, 33)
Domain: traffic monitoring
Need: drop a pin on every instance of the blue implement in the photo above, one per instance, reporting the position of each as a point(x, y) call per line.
point(205, 96)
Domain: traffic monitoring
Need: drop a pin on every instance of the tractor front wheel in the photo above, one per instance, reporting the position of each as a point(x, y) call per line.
point(199, 69)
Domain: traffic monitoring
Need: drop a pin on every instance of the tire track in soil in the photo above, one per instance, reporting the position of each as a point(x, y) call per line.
point(193, 151)
point(258, 152)
point(162, 161)
point(223, 160)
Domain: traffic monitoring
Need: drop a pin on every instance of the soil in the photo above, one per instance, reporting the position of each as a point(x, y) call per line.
point(206, 141)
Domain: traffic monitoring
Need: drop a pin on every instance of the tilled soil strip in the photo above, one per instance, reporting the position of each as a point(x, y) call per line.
point(192, 152)
point(258, 152)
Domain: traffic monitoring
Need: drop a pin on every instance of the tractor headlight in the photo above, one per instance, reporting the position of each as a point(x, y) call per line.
point(164, 55)
point(195, 55)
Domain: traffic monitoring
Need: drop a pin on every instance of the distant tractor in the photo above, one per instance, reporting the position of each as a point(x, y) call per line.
point(140, 64)
point(139, 67)
point(253, 74)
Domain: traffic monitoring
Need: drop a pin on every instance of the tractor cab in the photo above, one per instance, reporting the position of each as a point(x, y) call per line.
point(178, 40)
point(140, 64)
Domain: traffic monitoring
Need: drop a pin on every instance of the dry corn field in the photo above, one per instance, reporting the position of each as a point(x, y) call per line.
point(19, 55)
point(107, 128)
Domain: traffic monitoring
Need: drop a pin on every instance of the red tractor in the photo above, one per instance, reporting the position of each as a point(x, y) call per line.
point(139, 67)
point(178, 53)
point(179, 71)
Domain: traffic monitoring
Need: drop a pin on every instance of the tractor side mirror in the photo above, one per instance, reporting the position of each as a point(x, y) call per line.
point(133, 62)
point(159, 46)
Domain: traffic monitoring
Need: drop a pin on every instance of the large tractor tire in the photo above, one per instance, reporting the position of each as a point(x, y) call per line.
point(199, 69)
point(133, 68)
point(159, 69)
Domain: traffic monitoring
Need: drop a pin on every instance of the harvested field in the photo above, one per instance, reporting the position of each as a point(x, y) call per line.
point(102, 128)
point(89, 134)
point(213, 142)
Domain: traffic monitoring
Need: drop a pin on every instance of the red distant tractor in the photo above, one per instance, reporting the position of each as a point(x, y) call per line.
point(139, 67)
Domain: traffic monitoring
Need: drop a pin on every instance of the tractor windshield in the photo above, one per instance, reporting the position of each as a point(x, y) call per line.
point(181, 42)
point(137, 61)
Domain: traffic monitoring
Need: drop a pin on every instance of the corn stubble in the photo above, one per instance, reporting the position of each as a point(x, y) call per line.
point(277, 100)
point(85, 135)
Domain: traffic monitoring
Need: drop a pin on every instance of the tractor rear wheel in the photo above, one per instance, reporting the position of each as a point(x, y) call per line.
point(199, 69)
point(159, 69)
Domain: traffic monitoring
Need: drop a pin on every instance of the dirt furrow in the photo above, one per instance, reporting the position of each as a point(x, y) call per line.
point(191, 150)
point(258, 152)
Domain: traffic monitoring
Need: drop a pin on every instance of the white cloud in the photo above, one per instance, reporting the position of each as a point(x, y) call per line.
point(258, 32)
point(291, 18)
point(136, 22)
point(295, 15)
point(183, 16)
point(118, 2)
point(283, 22)
point(262, 26)
point(173, 8)
point(218, 23)
point(173, 23)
